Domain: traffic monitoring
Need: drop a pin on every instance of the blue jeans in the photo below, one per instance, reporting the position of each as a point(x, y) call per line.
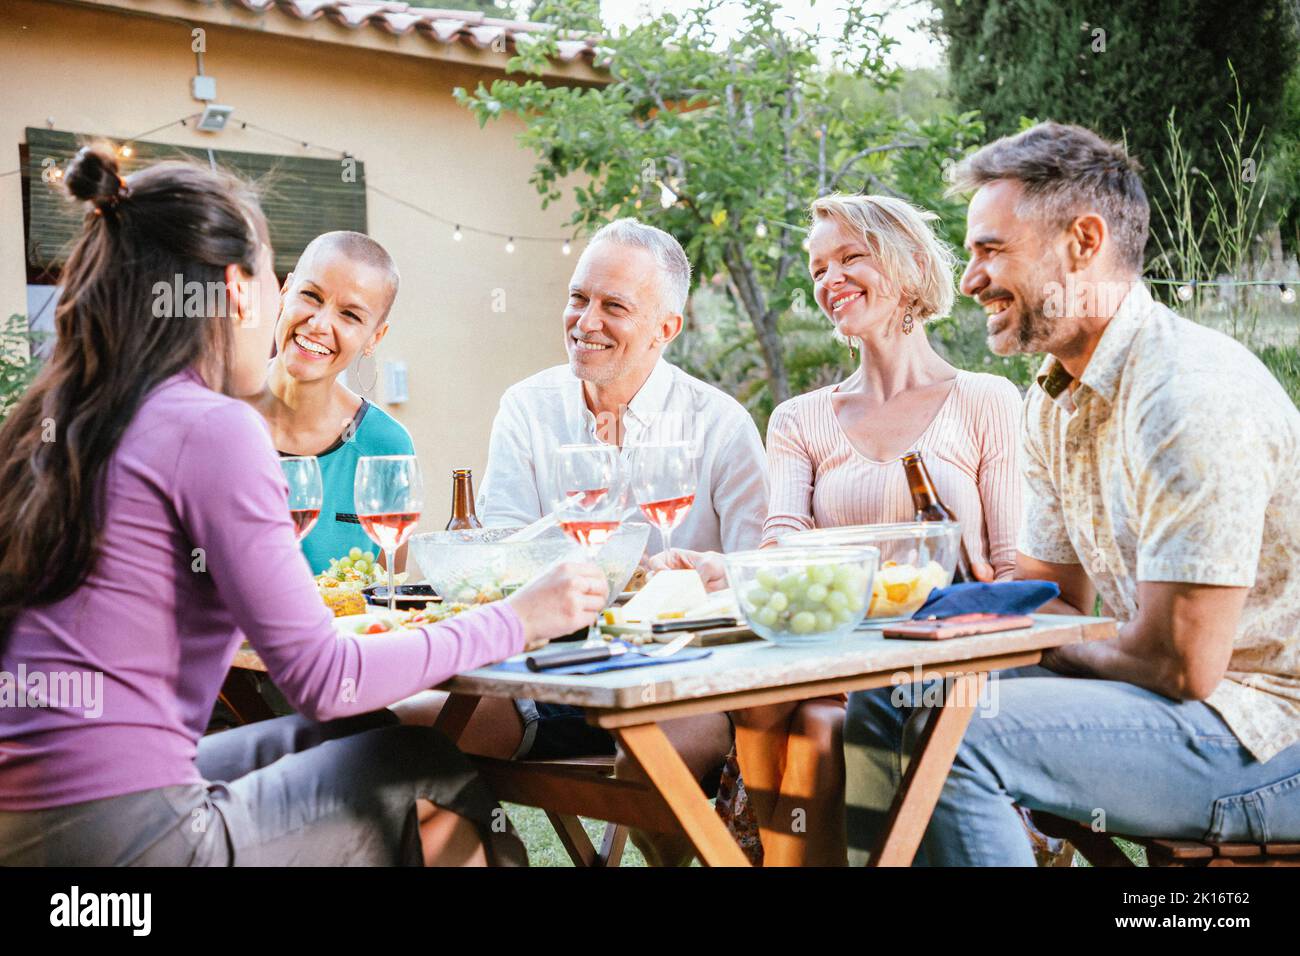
point(1105, 753)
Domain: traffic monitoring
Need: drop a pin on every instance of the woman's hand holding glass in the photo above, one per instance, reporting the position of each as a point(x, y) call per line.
point(562, 600)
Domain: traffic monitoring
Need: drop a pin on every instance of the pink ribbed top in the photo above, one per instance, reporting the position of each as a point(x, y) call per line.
point(819, 479)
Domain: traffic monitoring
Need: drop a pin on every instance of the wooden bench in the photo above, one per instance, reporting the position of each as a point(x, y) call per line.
point(569, 828)
point(1099, 849)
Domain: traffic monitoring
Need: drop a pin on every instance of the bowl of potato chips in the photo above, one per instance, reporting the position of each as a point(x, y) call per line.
point(915, 558)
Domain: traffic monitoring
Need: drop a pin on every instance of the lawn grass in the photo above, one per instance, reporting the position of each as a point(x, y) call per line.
point(544, 847)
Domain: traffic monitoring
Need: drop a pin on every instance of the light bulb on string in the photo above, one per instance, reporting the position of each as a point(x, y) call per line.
point(510, 244)
point(1288, 293)
point(1185, 292)
point(667, 198)
point(566, 248)
point(806, 244)
point(761, 230)
point(457, 235)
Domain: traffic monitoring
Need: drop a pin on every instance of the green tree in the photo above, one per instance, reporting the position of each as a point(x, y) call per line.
point(493, 8)
point(583, 15)
point(724, 142)
point(1121, 66)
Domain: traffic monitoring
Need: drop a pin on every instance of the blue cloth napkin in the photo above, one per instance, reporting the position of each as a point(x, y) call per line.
point(978, 597)
point(621, 662)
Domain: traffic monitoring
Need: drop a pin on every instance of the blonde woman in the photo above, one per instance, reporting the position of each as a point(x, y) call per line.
point(879, 274)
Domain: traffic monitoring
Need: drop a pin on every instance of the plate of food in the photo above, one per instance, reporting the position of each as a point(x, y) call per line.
point(383, 621)
point(343, 584)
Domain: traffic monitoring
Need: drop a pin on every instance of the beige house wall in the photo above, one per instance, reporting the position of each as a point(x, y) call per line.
point(102, 71)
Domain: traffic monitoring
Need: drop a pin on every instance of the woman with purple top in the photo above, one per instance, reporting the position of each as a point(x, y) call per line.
point(147, 533)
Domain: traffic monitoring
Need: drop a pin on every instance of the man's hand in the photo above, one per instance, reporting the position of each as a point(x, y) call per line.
point(565, 598)
point(1178, 644)
point(713, 572)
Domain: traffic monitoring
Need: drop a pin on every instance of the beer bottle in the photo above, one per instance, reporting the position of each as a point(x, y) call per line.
point(929, 508)
point(462, 501)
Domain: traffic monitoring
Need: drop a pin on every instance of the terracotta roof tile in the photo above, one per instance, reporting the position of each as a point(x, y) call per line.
point(436, 25)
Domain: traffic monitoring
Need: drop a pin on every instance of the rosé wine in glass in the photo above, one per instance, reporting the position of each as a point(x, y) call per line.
point(389, 497)
point(306, 491)
point(664, 482)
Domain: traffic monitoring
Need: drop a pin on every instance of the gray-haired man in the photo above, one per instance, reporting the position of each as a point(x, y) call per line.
point(625, 305)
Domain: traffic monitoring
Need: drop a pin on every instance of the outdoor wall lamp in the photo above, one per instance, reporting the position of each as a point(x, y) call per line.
point(214, 118)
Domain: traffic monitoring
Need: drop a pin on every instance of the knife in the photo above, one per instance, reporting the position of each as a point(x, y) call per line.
point(594, 655)
point(696, 624)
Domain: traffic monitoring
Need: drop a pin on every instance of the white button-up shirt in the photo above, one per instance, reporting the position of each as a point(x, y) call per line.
point(548, 409)
point(1177, 458)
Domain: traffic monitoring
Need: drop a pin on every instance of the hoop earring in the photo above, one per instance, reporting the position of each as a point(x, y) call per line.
point(374, 379)
point(908, 323)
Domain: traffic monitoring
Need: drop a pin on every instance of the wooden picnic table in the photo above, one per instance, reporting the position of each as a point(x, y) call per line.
point(632, 703)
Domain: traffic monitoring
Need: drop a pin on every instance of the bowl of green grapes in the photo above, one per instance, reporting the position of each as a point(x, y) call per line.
point(793, 595)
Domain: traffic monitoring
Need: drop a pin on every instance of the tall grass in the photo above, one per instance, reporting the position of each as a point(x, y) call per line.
point(1238, 237)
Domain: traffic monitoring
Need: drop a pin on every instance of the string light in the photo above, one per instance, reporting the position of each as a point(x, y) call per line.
point(1186, 288)
point(1185, 291)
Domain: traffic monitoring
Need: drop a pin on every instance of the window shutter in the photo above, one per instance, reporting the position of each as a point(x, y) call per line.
point(301, 197)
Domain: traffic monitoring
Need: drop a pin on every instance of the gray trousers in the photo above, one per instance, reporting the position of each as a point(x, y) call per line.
point(283, 792)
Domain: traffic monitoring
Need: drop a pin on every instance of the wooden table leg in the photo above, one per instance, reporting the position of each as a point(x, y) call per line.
point(455, 714)
point(647, 745)
point(927, 771)
point(574, 839)
point(611, 846)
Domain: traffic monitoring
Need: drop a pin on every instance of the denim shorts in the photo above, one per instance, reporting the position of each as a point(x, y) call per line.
point(557, 731)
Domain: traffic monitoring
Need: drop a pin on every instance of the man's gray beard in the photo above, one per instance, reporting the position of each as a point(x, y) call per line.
point(601, 376)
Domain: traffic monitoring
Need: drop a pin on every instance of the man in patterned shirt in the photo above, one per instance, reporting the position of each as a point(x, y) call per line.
point(1162, 471)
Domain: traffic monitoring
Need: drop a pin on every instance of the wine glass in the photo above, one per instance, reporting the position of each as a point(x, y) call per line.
point(389, 497)
point(588, 499)
point(589, 494)
point(306, 492)
point(664, 484)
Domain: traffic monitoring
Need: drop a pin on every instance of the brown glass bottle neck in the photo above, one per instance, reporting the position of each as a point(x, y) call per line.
point(924, 495)
point(462, 493)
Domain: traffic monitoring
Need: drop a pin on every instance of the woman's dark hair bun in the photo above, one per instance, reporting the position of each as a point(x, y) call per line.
point(92, 175)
